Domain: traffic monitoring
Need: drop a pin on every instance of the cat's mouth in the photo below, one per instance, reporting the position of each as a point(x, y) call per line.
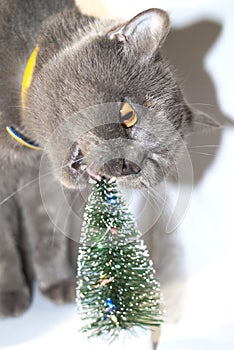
point(77, 171)
point(79, 168)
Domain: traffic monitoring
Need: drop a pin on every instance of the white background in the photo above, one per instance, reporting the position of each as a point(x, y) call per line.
point(207, 320)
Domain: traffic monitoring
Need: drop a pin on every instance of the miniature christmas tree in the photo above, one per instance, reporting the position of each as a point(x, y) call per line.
point(116, 285)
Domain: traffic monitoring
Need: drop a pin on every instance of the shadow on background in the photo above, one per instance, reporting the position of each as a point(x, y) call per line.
point(186, 49)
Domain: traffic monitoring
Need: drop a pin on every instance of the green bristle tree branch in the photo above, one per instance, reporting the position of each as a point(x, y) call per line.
point(116, 279)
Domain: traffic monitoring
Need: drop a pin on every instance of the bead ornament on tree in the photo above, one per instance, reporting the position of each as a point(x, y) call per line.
point(116, 280)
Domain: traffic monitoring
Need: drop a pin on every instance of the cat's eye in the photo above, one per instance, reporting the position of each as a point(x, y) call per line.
point(128, 116)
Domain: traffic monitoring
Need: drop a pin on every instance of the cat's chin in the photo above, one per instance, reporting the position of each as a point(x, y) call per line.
point(80, 182)
point(131, 181)
point(89, 178)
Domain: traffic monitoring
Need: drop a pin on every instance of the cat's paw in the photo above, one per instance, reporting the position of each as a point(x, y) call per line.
point(63, 292)
point(14, 303)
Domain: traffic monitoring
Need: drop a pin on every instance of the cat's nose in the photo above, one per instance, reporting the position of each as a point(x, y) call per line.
point(122, 167)
point(129, 168)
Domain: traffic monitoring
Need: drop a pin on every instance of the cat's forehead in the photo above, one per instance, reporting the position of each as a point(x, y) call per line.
point(101, 67)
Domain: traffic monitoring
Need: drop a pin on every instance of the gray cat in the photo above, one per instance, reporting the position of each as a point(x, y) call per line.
point(134, 132)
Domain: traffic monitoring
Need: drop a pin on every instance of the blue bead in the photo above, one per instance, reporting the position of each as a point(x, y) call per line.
point(109, 302)
point(112, 201)
point(109, 195)
point(110, 305)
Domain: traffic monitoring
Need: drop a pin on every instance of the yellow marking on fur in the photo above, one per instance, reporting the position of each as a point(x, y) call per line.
point(28, 74)
point(21, 140)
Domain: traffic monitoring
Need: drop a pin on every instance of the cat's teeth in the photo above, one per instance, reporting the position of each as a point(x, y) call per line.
point(94, 175)
point(92, 181)
point(83, 167)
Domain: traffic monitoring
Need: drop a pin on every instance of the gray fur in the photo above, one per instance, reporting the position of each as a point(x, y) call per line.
point(82, 62)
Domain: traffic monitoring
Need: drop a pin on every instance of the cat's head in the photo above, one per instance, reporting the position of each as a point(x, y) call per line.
point(109, 105)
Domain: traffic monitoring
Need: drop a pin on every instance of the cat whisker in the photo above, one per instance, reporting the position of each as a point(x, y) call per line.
point(73, 201)
point(80, 159)
point(24, 186)
point(71, 207)
point(18, 190)
point(200, 146)
point(199, 123)
point(30, 183)
point(55, 226)
point(152, 190)
point(199, 104)
point(156, 201)
point(157, 197)
point(203, 153)
point(80, 206)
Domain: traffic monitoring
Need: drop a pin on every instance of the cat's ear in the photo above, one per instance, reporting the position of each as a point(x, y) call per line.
point(198, 121)
point(145, 32)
